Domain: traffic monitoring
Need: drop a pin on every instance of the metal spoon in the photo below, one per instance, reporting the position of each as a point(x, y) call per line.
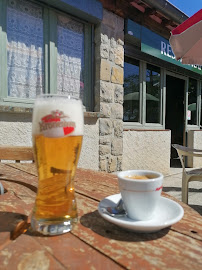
point(116, 211)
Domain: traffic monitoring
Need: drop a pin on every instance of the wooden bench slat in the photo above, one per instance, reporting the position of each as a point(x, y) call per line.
point(17, 153)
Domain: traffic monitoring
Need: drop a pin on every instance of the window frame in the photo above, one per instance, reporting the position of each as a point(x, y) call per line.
point(155, 126)
point(142, 104)
point(50, 57)
point(198, 116)
point(131, 61)
point(160, 124)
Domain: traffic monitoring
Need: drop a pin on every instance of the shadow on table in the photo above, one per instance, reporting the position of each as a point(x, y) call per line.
point(27, 185)
point(197, 208)
point(15, 223)
point(104, 228)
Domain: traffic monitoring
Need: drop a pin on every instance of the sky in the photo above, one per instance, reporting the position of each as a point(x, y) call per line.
point(187, 6)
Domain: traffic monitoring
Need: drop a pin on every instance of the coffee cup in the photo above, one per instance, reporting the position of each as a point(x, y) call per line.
point(140, 191)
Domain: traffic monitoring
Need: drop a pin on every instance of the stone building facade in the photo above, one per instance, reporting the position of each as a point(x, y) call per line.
point(104, 136)
point(109, 144)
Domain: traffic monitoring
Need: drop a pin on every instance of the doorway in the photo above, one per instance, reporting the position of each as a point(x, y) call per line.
point(174, 120)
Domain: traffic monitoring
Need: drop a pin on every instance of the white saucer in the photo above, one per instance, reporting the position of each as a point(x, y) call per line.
point(167, 214)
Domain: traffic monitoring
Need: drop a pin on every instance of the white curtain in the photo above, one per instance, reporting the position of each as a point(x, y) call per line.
point(70, 59)
point(24, 49)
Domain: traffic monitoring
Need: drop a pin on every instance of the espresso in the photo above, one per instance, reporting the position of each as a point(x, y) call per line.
point(140, 177)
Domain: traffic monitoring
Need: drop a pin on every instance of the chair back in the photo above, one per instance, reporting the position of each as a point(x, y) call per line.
point(16, 153)
point(187, 151)
point(189, 175)
point(184, 151)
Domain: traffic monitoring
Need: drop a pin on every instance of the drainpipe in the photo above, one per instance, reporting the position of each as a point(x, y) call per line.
point(168, 10)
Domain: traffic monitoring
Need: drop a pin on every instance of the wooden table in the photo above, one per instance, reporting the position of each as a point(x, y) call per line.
point(94, 243)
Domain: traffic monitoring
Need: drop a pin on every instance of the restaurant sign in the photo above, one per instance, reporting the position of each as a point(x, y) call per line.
point(157, 46)
point(153, 44)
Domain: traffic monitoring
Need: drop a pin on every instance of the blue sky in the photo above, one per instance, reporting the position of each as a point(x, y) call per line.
point(187, 6)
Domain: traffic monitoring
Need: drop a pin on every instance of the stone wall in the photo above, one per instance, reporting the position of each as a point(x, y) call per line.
point(147, 149)
point(109, 57)
point(89, 158)
point(16, 129)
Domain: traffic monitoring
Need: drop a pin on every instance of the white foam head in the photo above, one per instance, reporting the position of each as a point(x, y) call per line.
point(53, 113)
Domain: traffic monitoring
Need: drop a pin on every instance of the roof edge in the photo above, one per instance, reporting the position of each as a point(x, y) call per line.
point(168, 10)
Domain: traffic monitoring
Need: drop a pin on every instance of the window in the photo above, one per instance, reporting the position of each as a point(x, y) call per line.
point(192, 101)
point(42, 51)
point(25, 54)
point(70, 56)
point(153, 94)
point(131, 92)
point(142, 95)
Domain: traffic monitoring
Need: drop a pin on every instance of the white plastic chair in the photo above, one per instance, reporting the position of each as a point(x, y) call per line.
point(188, 175)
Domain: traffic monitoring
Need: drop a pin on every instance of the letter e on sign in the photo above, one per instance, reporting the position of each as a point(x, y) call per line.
point(163, 48)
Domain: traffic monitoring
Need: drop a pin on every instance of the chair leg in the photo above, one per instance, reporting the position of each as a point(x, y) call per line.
point(185, 182)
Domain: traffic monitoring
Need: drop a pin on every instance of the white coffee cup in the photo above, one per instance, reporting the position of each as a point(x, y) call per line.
point(140, 196)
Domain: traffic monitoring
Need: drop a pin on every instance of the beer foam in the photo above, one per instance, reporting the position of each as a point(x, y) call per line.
point(72, 108)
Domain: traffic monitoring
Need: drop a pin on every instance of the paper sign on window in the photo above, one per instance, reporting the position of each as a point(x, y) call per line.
point(188, 115)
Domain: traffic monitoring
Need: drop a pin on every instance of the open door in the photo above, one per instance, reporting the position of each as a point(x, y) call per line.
point(175, 118)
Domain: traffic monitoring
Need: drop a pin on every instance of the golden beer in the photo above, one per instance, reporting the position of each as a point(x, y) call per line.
point(57, 140)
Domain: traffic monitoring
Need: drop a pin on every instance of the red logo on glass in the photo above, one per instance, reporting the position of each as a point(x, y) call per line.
point(56, 124)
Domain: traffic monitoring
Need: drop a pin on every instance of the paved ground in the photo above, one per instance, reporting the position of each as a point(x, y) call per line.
point(173, 183)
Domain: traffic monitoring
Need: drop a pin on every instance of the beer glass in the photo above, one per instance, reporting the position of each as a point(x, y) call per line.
point(57, 132)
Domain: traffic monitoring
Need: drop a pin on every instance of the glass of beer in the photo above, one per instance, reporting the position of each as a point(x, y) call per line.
point(57, 132)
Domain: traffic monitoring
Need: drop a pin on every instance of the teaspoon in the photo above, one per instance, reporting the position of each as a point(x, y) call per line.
point(115, 211)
